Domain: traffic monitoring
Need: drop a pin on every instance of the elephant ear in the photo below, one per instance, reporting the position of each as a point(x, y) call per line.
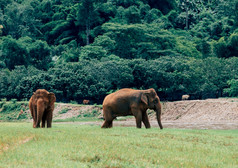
point(144, 98)
point(52, 98)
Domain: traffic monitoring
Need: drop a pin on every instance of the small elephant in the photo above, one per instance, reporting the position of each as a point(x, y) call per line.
point(126, 102)
point(41, 106)
point(185, 97)
point(85, 101)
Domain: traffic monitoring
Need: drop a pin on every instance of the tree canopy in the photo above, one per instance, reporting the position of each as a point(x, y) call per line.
point(89, 48)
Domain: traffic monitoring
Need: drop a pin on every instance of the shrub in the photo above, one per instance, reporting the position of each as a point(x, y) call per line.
point(73, 102)
point(22, 116)
point(4, 100)
point(64, 111)
point(233, 88)
point(13, 101)
point(9, 107)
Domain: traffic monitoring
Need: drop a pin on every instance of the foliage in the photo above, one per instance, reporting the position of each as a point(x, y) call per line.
point(233, 88)
point(19, 20)
point(93, 79)
point(13, 53)
point(225, 48)
point(64, 111)
point(86, 49)
point(10, 110)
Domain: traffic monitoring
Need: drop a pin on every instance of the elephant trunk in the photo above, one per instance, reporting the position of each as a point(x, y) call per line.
point(158, 115)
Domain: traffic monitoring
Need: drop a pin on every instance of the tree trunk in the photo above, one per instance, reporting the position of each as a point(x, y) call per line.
point(187, 19)
point(87, 33)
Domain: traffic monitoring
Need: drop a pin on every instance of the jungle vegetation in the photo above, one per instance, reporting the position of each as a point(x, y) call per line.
point(86, 49)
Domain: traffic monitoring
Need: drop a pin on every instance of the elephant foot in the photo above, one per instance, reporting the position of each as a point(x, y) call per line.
point(107, 124)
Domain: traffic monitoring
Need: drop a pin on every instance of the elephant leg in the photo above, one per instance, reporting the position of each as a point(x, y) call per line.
point(138, 121)
point(43, 120)
point(106, 124)
point(40, 112)
point(138, 115)
point(32, 113)
point(34, 116)
point(43, 123)
point(145, 120)
point(49, 118)
point(108, 119)
point(110, 124)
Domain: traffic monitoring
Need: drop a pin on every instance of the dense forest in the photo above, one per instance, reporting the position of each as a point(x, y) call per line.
point(86, 49)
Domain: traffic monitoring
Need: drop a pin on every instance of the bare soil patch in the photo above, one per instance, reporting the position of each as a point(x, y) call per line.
point(193, 114)
point(5, 147)
point(209, 110)
point(63, 110)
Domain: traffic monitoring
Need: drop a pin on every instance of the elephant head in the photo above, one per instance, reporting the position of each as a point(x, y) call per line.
point(41, 105)
point(151, 100)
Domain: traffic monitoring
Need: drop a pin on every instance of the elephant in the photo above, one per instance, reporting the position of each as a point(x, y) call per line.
point(185, 97)
point(127, 101)
point(85, 101)
point(41, 105)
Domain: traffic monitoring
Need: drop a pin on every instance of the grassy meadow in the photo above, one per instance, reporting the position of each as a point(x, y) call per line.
point(72, 145)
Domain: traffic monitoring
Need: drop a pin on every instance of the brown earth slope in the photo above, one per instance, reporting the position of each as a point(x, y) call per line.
point(201, 110)
point(202, 114)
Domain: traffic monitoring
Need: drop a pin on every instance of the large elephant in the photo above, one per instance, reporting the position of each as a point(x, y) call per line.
point(41, 106)
point(126, 102)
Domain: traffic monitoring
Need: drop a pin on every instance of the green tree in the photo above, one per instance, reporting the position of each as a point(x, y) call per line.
point(189, 7)
point(62, 27)
point(88, 15)
point(92, 52)
point(233, 88)
point(163, 5)
point(29, 84)
point(216, 74)
point(19, 20)
point(132, 14)
point(152, 15)
point(4, 83)
point(13, 53)
point(225, 48)
point(66, 52)
point(4, 3)
point(204, 47)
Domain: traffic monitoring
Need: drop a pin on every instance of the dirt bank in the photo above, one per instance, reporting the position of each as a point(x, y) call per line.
point(210, 110)
point(198, 114)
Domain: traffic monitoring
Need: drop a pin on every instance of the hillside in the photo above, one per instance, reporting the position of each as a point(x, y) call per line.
point(201, 110)
point(210, 113)
point(189, 111)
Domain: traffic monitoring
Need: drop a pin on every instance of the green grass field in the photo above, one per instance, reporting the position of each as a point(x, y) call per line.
point(72, 145)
